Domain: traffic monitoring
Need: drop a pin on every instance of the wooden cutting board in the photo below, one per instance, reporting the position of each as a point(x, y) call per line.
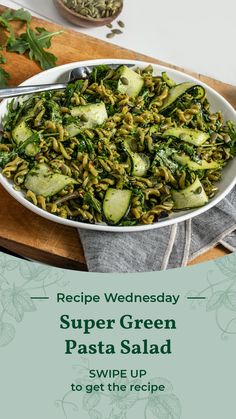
point(27, 234)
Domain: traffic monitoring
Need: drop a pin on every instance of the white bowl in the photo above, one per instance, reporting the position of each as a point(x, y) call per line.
point(217, 103)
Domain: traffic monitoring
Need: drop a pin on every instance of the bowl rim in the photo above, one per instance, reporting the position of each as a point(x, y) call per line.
point(104, 227)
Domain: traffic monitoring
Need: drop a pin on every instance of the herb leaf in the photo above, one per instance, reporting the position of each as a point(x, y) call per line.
point(2, 59)
point(31, 42)
point(92, 201)
point(98, 73)
point(6, 157)
point(45, 37)
point(4, 77)
point(19, 14)
point(4, 22)
point(19, 45)
point(37, 53)
point(230, 129)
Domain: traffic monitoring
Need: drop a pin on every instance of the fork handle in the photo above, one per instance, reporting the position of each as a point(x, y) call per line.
point(24, 90)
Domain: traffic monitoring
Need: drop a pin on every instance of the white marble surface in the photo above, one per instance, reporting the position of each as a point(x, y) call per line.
point(196, 35)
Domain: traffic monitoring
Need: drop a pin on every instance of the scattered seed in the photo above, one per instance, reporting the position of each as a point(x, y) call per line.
point(116, 31)
point(121, 24)
point(226, 138)
point(84, 118)
point(109, 25)
point(198, 190)
point(124, 81)
point(214, 136)
point(110, 35)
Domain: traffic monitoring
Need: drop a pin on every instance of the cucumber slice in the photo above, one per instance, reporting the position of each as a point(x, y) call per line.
point(192, 165)
point(130, 82)
point(20, 134)
point(193, 196)
point(116, 204)
point(90, 115)
point(72, 129)
point(179, 90)
point(140, 162)
point(188, 135)
point(43, 181)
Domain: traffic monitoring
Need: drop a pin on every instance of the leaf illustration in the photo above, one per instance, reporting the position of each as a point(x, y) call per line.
point(83, 366)
point(231, 327)
point(165, 406)
point(124, 400)
point(215, 301)
point(117, 414)
point(83, 381)
point(157, 410)
point(230, 300)
point(227, 265)
point(11, 265)
point(162, 381)
point(95, 414)
point(8, 263)
point(2, 279)
point(91, 400)
point(127, 401)
point(16, 302)
point(29, 271)
point(7, 333)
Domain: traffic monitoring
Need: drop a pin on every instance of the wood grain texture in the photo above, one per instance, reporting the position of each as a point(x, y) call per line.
point(27, 234)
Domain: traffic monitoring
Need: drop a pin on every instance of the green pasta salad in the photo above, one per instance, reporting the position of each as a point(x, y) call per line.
point(123, 147)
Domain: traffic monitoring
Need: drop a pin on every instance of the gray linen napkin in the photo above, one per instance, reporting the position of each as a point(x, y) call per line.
point(162, 248)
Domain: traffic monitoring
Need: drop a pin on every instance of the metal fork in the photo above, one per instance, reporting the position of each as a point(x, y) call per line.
point(77, 73)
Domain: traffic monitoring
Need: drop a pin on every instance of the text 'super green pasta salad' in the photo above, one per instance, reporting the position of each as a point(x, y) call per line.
point(122, 147)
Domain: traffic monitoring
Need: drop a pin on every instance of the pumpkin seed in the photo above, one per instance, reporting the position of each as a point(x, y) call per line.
point(226, 138)
point(110, 35)
point(198, 190)
point(121, 24)
point(116, 31)
point(124, 81)
point(84, 118)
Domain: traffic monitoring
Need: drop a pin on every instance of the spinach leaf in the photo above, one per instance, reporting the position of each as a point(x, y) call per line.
point(90, 146)
point(162, 158)
point(127, 223)
point(54, 110)
point(70, 89)
point(230, 129)
point(98, 73)
point(93, 202)
point(189, 149)
point(6, 157)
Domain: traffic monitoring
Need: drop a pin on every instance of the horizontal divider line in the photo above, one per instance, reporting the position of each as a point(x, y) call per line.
point(196, 298)
point(39, 298)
